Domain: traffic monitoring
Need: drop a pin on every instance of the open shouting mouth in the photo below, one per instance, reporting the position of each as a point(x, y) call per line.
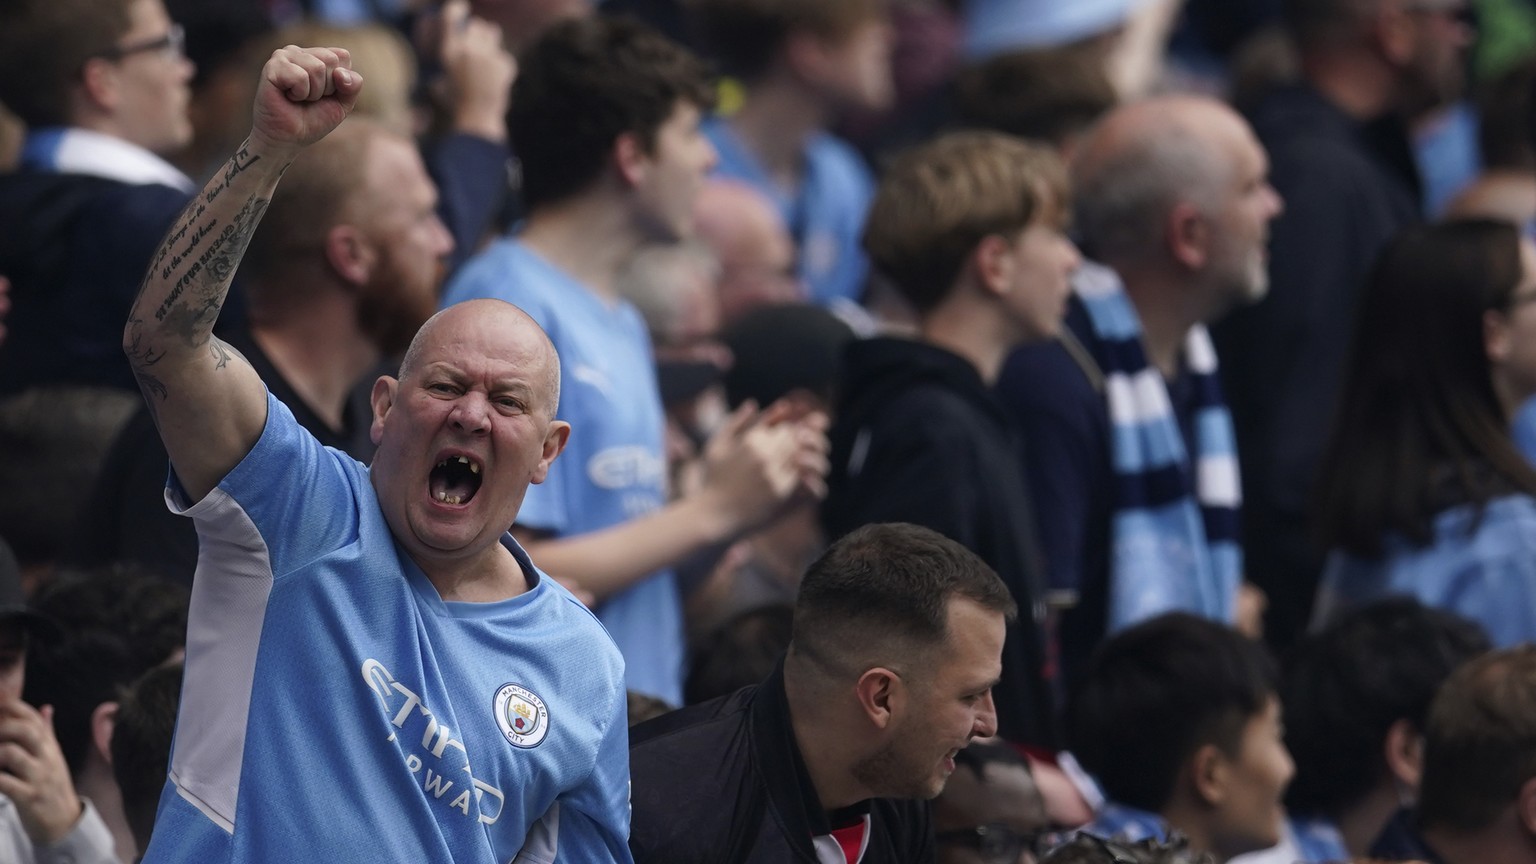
point(454, 480)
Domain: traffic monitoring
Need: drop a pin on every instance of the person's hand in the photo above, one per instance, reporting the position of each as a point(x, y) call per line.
point(479, 72)
point(34, 775)
point(303, 94)
point(754, 469)
point(5, 305)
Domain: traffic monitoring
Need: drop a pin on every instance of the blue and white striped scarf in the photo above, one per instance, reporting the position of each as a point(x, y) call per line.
point(1175, 521)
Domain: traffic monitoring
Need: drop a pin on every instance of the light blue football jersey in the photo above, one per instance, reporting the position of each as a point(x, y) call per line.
point(614, 469)
point(335, 708)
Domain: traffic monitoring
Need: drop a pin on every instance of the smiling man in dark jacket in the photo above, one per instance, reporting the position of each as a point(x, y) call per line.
point(898, 636)
point(969, 229)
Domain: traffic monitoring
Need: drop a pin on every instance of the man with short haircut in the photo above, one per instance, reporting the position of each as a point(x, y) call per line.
point(1127, 441)
point(801, 65)
point(372, 661)
point(1339, 145)
point(337, 281)
point(1478, 801)
point(969, 228)
point(115, 624)
point(1357, 699)
point(141, 746)
point(103, 87)
point(897, 639)
point(605, 118)
point(1178, 720)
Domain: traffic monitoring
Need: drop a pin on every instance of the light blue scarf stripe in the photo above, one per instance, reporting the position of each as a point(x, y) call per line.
point(1162, 558)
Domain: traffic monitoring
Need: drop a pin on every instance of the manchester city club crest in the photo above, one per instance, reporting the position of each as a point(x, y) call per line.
point(521, 716)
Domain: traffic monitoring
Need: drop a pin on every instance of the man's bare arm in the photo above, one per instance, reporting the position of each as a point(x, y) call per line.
point(207, 401)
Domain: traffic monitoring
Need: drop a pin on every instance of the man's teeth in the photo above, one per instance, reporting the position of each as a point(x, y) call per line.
point(445, 498)
point(474, 468)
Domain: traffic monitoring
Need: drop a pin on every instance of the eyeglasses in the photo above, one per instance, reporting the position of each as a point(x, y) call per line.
point(173, 45)
point(998, 844)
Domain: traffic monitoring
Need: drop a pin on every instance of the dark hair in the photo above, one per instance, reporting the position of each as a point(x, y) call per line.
point(585, 83)
point(1049, 94)
point(141, 745)
point(1151, 696)
point(53, 441)
point(1344, 687)
point(1419, 426)
point(740, 652)
point(745, 36)
point(1322, 24)
point(782, 348)
point(1480, 741)
point(939, 200)
point(44, 46)
point(116, 624)
point(887, 585)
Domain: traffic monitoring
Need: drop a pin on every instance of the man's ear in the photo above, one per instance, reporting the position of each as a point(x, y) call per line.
point(881, 695)
point(103, 721)
point(992, 261)
point(99, 84)
point(1189, 235)
point(385, 390)
point(1209, 775)
point(1404, 753)
point(630, 158)
point(555, 439)
point(351, 255)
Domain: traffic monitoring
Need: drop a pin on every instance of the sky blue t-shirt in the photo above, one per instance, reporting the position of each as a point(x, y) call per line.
point(614, 469)
point(825, 215)
point(1484, 569)
point(335, 708)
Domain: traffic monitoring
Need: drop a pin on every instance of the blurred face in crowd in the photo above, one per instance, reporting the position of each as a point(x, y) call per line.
point(1043, 259)
point(410, 241)
point(672, 174)
point(1510, 335)
point(1239, 257)
point(991, 819)
point(1440, 36)
point(1249, 816)
point(855, 70)
point(948, 701)
point(150, 79)
point(756, 253)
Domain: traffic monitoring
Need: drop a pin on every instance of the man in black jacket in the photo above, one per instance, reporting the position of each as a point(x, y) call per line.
point(969, 229)
point(897, 642)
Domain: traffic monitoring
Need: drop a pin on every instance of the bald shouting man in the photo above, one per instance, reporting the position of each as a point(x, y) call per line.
point(373, 663)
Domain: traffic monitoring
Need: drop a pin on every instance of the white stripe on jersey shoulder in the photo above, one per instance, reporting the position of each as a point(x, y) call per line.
point(230, 590)
point(543, 842)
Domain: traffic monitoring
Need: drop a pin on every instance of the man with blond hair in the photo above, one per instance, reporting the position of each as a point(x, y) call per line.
point(969, 228)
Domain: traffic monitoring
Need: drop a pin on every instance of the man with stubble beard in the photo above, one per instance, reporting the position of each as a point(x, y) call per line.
point(340, 277)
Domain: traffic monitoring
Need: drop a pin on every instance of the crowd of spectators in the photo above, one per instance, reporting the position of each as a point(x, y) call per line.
point(1114, 420)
